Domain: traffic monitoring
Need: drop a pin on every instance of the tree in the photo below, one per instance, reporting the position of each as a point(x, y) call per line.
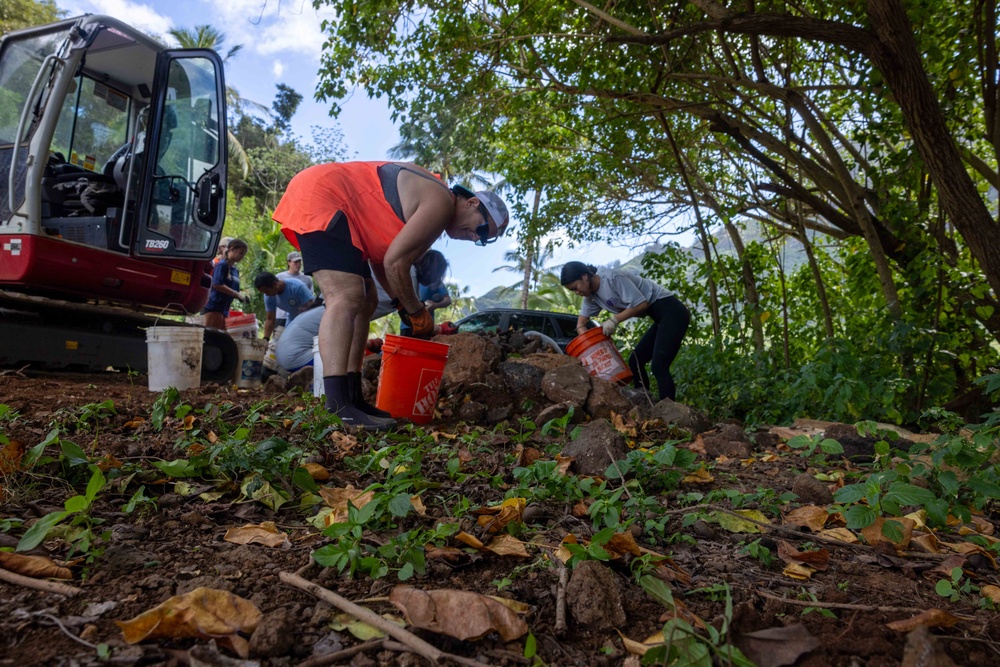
point(208, 37)
point(17, 14)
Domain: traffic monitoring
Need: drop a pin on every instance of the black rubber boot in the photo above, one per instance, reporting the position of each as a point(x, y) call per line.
point(358, 397)
point(338, 402)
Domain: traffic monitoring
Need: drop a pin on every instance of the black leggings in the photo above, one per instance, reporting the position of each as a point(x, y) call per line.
point(660, 344)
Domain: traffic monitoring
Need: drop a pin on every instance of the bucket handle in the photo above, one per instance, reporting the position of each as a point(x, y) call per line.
point(156, 319)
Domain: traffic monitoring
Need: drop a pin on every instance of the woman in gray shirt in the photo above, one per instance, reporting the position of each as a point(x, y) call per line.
point(626, 295)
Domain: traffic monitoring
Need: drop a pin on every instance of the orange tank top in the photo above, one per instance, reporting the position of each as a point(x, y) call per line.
point(315, 195)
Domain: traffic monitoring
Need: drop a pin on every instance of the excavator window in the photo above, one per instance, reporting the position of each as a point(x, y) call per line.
point(187, 151)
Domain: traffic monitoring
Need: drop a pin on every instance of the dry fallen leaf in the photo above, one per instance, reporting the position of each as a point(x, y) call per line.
point(926, 541)
point(699, 476)
point(360, 629)
point(563, 464)
point(621, 545)
point(840, 534)
point(338, 498)
point(799, 571)
point(187, 423)
point(495, 518)
point(562, 553)
point(580, 509)
point(807, 516)
point(37, 567)
point(452, 555)
point(204, 613)
point(266, 534)
point(10, 457)
point(621, 426)
point(317, 472)
point(817, 559)
point(968, 548)
point(507, 545)
point(873, 533)
point(109, 462)
point(775, 647)
point(931, 618)
point(463, 615)
point(471, 540)
point(991, 592)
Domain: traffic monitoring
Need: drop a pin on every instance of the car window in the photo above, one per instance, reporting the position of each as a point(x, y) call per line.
point(567, 326)
point(527, 322)
point(481, 322)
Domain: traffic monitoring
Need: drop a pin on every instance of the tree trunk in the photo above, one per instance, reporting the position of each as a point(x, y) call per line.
point(749, 285)
point(897, 58)
point(713, 290)
point(530, 252)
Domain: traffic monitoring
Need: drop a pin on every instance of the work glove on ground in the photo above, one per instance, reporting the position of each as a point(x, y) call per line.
point(609, 326)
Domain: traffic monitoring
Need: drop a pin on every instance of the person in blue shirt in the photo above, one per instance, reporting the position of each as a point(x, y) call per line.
point(291, 295)
point(225, 285)
point(430, 270)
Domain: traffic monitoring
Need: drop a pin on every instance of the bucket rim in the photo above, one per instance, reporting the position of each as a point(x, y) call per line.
point(585, 340)
point(394, 342)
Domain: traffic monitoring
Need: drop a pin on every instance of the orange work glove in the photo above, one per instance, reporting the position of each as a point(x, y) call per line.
point(422, 323)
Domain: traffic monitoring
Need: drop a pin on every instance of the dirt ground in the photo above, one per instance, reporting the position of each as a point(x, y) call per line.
point(174, 543)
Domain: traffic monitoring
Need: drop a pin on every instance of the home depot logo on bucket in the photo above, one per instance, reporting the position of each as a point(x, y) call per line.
point(600, 361)
point(427, 392)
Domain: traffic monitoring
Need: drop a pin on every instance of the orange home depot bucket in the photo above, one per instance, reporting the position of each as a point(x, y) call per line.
point(599, 356)
point(410, 377)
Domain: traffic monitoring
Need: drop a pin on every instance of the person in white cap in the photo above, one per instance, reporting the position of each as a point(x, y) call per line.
point(294, 272)
point(220, 253)
point(346, 216)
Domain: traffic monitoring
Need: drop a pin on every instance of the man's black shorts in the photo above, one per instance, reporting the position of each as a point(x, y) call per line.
point(332, 249)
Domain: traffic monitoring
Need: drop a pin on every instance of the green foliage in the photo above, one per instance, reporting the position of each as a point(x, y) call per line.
point(79, 530)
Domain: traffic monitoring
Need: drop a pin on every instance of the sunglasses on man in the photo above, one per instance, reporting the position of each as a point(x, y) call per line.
point(483, 230)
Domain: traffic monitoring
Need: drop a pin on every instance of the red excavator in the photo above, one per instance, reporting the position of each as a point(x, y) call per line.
point(112, 194)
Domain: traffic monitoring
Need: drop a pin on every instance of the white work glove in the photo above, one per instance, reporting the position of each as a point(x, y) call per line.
point(608, 326)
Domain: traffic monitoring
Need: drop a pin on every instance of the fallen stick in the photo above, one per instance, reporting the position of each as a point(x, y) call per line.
point(39, 584)
point(560, 627)
point(414, 643)
point(406, 638)
point(337, 656)
point(844, 605)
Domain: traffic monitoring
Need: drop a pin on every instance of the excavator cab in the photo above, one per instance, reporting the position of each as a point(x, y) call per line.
point(111, 141)
point(112, 168)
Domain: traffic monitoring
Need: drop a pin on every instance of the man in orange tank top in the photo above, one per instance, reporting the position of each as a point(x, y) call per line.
point(345, 217)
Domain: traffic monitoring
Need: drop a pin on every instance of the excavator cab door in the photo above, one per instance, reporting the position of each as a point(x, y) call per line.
point(181, 199)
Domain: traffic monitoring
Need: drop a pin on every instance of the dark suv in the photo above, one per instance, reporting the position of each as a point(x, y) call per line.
point(560, 327)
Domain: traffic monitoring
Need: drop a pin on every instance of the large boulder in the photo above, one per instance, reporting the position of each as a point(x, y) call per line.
point(470, 359)
point(567, 384)
point(605, 398)
point(523, 381)
point(686, 417)
point(597, 447)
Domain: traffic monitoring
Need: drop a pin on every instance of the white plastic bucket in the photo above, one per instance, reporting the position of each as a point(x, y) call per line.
point(270, 360)
point(173, 355)
point(251, 364)
point(319, 389)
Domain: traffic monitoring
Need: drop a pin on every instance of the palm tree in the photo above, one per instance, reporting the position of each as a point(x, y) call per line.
point(208, 37)
point(551, 295)
point(532, 266)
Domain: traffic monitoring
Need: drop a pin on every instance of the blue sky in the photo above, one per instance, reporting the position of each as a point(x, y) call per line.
point(282, 42)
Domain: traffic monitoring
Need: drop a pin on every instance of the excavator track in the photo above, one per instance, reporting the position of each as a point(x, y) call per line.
point(48, 334)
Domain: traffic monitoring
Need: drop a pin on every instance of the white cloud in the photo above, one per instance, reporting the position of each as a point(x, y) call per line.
point(271, 28)
point(278, 68)
point(137, 14)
